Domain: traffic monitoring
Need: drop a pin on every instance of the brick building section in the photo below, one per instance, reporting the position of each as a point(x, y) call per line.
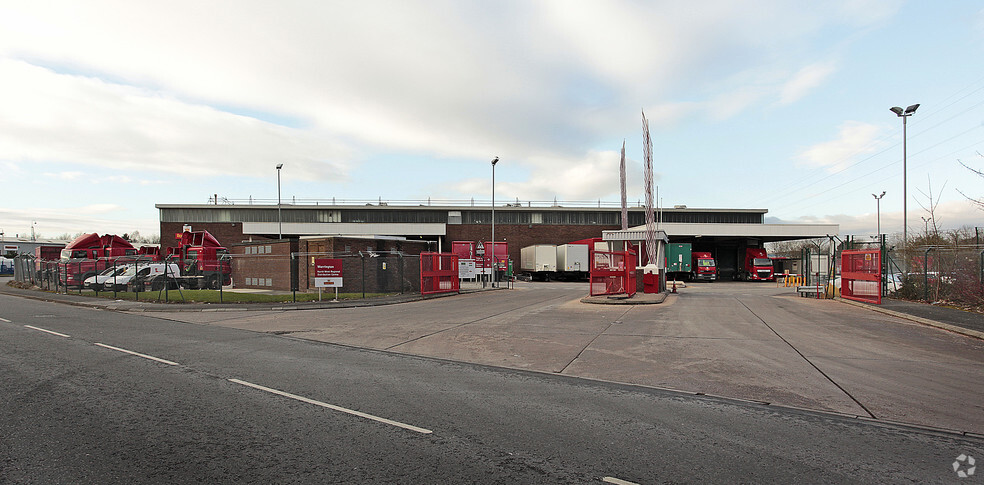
point(262, 265)
point(267, 264)
point(519, 236)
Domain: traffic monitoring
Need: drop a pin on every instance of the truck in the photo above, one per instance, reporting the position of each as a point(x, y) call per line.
point(203, 262)
point(678, 261)
point(702, 266)
point(539, 261)
point(44, 256)
point(91, 254)
point(572, 261)
point(756, 266)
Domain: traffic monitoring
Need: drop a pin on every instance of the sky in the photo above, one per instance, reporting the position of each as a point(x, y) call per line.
point(108, 108)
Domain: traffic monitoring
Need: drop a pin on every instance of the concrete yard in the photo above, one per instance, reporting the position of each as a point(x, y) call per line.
point(749, 341)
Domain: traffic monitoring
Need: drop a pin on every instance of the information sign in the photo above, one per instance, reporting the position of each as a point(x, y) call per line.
point(327, 273)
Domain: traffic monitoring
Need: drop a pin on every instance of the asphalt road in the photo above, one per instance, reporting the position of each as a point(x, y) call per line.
point(80, 406)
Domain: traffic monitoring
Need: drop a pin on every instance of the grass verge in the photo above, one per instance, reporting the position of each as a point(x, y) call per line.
point(212, 296)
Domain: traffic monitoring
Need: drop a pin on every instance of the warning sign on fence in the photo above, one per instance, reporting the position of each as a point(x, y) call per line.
point(327, 273)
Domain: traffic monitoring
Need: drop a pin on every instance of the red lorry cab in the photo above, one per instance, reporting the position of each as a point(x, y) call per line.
point(90, 254)
point(203, 260)
point(703, 267)
point(757, 267)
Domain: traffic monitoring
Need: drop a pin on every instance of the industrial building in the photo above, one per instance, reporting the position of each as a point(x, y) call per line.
point(724, 232)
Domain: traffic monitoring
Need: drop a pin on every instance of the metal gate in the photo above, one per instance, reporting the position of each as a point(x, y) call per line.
point(861, 275)
point(439, 273)
point(613, 273)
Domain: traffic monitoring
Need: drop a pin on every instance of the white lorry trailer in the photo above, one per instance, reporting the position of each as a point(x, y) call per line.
point(539, 261)
point(572, 261)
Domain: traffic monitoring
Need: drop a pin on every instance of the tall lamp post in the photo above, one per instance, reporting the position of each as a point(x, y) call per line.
point(492, 249)
point(904, 114)
point(878, 202)
point(280, 221)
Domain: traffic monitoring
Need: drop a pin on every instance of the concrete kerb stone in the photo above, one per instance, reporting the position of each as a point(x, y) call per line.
point(148, 307)
point(925, 321)
point(637, 299)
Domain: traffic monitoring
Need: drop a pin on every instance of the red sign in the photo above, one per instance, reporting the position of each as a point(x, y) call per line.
point(327, 273)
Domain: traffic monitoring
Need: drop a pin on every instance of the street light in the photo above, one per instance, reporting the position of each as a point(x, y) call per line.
point(904, 114)
point(494, 161)
point(280, 221)
point(878, 201)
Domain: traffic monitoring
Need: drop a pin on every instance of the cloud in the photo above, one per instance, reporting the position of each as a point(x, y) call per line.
point(63, 175)
point(804, 81)
point(68, 118)
point(441, 78)
point(53, 222)
point(950, 215)
point(593, 176)
point(854, 139)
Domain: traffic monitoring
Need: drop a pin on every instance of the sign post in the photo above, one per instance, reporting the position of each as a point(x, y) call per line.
point(327, 274)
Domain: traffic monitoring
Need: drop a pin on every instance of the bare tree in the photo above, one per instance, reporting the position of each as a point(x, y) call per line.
point(931, 207)
point(979, 202)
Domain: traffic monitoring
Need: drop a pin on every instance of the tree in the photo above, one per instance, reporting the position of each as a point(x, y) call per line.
point(979, 202)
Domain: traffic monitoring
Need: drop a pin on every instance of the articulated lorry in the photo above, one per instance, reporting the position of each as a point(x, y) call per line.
point(91, 254)
point(539, 261)
point(678, 261)
point(756, 267)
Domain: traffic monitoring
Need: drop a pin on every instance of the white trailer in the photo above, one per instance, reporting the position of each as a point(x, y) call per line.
point(539, 261)
point(572, 261)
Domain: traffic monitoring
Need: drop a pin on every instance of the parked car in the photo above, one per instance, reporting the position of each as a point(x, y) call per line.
point(98, 281)
point(134, 276)
point(894, 282)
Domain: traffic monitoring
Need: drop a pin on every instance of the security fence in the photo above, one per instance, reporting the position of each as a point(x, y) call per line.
point(941, 273)
point(937, 271)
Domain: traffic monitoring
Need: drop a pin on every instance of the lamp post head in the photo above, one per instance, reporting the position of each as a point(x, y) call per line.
point(911, 109)
point(896, 110)
point(280, 166)
point(879, 196)
point(495, 161)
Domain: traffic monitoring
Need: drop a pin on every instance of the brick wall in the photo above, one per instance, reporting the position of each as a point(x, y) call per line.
point(519, 236)
point(227, 233)
point(262, 265)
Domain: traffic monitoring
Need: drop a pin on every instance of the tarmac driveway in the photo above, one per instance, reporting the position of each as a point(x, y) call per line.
point(742, 340)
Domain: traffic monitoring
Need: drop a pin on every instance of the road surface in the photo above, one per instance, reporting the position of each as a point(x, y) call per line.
point(102, 397)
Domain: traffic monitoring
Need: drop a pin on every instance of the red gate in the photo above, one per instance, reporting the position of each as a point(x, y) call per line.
point(612, 273)
point(861, 275)
point(439, 273)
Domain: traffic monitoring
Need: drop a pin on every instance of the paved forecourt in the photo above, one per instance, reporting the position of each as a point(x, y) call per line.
point(743, 340)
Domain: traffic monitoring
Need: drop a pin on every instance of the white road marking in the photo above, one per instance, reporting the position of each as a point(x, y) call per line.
point(617, 481)
point(4, 320)
point(333, 407)
point(168, 362)
point(46, 331)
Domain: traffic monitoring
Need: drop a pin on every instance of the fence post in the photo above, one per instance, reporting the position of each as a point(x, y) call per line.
point(981, 275)
point(926, 274)
point(294, 275)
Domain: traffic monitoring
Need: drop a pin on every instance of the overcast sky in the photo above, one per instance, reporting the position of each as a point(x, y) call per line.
point(108, 108)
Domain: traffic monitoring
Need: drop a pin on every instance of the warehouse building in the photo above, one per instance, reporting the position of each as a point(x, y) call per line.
point(724, 232)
